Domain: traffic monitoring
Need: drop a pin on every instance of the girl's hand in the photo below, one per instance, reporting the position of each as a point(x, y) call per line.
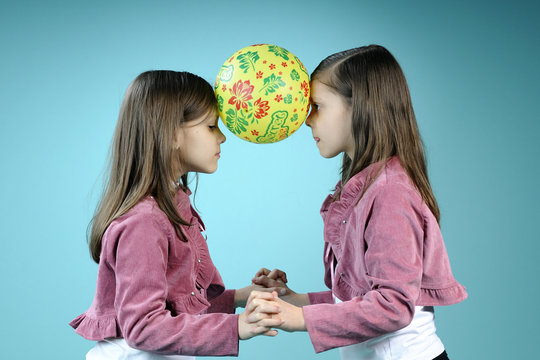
point(292, 317)
point(275, 274)
point(241, 295)
point(275, 279)
point(262, 313)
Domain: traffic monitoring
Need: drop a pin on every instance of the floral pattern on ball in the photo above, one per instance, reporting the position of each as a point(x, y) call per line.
point(262, 93)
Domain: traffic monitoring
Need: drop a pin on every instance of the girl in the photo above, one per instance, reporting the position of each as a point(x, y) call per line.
point(384, 256)
point(158, 291)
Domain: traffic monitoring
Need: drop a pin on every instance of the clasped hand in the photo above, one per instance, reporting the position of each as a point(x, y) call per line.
point(265, 311)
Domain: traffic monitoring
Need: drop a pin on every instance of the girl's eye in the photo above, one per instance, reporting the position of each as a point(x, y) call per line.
point(315, 106)
point(212, 127)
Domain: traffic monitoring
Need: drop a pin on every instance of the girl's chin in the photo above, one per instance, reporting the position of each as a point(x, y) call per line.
point(328, 155)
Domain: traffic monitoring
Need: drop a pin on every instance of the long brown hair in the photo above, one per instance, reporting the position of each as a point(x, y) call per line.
point(142, 158)
point(383, 122)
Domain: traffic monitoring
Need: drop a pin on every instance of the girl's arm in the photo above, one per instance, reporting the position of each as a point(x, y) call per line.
point(139, 259)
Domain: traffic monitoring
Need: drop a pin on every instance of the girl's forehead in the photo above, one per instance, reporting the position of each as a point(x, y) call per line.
point(319, 89)
point(210, 114)
point(315, 86)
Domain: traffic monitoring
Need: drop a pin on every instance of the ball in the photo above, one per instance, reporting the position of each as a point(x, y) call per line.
point(262, 93)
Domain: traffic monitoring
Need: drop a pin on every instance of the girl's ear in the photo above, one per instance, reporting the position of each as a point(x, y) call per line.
point(178, 138)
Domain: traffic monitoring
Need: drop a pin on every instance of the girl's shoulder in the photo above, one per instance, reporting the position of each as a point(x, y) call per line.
point(394, 182)
point(390, 183)
point(146, 214)
point(378, 178)
point(394, 177)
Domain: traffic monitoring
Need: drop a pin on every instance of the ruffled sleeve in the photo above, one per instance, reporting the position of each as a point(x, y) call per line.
point(96, 329)
point(442, 296)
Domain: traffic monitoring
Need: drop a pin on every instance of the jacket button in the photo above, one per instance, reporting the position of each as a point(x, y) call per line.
point(198, 260)
point(341, 274)
point(192, 293)
point(344, 221)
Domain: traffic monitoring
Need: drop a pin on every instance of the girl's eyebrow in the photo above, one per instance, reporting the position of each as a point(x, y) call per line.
point(211, 117)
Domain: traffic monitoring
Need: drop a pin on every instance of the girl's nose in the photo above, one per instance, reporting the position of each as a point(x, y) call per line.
point(308, 120)
point(221, 137)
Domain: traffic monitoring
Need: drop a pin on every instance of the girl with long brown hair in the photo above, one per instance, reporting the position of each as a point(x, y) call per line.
point(158, 294)
point(385, 260)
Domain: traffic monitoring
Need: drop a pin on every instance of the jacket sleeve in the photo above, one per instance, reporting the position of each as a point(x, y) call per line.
point(224, 303)
point(393, 260)
point(141, 293)
point(322, 297)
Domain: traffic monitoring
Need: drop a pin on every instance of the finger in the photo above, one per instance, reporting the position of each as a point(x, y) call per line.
point(249, 300)
point(262, 271)
point(258, 330)
point(270, 323)
point(256, 317)
point(258, 306)
point(270, 333)
point(262, 306)
point(268, 308)
point(278, 274)
point(264, 295)
point(258, 294)
point(261, 280)
point(267, 281)
point(278, 290)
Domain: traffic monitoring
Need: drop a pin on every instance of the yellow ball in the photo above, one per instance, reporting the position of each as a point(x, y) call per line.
point(262, 93)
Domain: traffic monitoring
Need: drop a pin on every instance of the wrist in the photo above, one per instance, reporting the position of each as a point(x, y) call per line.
point(301, 320)
point(240, 297)
point(296, 299)
point(243, 333)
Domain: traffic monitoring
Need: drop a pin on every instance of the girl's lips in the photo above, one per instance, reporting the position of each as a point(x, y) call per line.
point(218, 155)
point(317, 139)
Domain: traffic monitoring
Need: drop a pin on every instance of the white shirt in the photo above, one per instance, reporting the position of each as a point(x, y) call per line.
point(118, 349)
point(416, 341)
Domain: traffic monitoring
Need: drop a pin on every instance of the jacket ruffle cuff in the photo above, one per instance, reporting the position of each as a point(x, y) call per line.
point(441, 297)
point(96, 329)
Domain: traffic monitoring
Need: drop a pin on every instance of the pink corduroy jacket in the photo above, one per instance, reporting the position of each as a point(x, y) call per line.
point(389, 255)
point(157, 292)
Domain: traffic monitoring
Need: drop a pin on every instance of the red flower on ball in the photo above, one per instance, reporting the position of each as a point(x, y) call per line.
point(262, 108)
point(241, 94)
point(304, 86)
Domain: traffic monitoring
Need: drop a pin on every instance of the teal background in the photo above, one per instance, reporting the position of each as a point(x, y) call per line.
point(473, 72)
